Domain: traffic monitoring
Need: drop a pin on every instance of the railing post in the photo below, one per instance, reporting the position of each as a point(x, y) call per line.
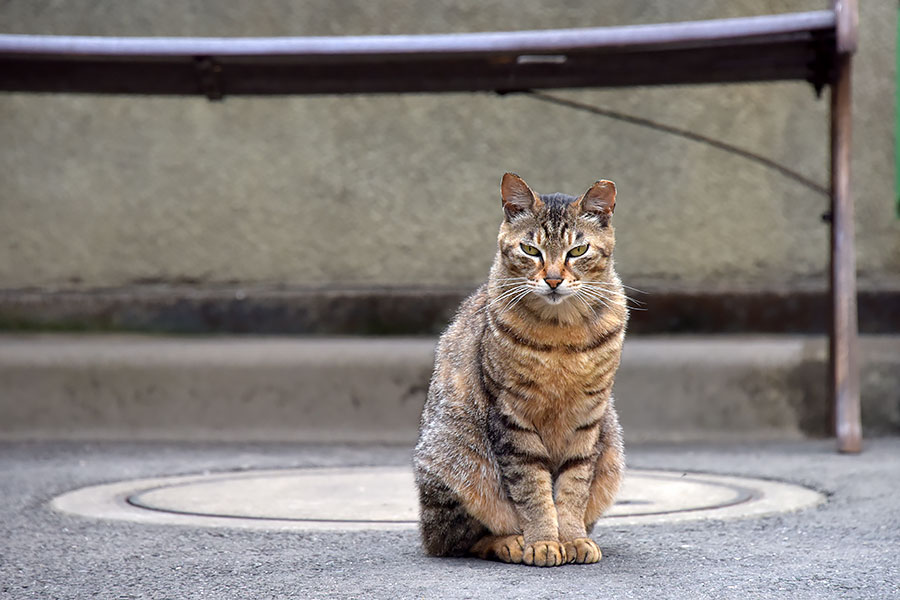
point(844, 375)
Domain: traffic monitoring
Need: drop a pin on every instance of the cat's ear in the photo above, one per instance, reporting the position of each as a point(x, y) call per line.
point(517, 196)
point(599, 201)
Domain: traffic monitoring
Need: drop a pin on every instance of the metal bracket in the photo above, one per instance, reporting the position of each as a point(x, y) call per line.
point(209, 77)
point(821, 67)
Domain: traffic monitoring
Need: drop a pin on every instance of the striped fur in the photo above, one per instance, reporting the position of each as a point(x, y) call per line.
point(520, 450)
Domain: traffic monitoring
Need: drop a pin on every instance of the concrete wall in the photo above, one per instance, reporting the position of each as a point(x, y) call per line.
point(403, 190)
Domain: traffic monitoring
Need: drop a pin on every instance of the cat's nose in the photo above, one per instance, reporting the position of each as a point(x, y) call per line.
point(552, 282)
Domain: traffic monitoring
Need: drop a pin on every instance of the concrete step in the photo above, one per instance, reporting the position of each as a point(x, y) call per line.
point(130, 387)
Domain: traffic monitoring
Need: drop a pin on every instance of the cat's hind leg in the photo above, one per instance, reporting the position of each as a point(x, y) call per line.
point(608, 470)
point(505, 548)
point(446, 526)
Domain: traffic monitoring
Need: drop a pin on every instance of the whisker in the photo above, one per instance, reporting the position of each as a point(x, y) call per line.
point(511, 283)
point(591, 284)
point(627, 287)
point(508, 294)
point(626, 297)
point(603, 289)
point(516, 300)
point(504, 295)
point(634, 289)
point(593, 295)
point(586, 303)
point(596, 293)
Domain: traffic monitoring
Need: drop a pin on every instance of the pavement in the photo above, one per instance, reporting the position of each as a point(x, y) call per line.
point(845, 547)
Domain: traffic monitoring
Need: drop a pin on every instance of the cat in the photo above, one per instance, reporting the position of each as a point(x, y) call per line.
point(520, 449)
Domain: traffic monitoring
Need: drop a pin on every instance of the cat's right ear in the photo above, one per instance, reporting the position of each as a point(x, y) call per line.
point(517, 196)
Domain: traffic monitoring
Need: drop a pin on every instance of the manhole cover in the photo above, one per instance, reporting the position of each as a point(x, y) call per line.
point(385, 498)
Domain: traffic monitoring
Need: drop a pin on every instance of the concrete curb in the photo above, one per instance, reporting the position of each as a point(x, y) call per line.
point(371, 389)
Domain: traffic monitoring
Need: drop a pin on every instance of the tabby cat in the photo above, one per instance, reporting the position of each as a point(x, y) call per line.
point(520, 449)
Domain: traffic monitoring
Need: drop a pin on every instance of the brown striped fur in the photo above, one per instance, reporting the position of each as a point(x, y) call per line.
point(520, 450)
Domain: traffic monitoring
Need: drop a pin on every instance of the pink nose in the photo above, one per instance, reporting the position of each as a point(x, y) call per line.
point(553, 282)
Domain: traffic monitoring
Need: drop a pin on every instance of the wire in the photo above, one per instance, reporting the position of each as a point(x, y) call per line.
point(642, 122)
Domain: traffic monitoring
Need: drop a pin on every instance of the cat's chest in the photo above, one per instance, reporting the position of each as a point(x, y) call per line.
point(559, 375)
point(552, 389)
point(552, 376)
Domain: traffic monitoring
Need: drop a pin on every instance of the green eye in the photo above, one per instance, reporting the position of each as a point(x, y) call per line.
point(578, 250)
point(530, 250)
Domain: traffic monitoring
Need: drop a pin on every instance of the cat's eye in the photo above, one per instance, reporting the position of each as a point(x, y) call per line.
point(530, 250)
point(578, 250)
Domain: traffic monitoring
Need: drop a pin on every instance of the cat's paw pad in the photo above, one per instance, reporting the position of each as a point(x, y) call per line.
point(544, 554)
point(583, 551)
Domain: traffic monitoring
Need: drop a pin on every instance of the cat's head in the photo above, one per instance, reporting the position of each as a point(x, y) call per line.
point(558, 247)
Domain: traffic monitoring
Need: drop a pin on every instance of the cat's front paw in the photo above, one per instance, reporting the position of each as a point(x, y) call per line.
point(544, 554)
point(582, 551)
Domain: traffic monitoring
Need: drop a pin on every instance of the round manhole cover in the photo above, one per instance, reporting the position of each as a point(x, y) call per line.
point(385, 498)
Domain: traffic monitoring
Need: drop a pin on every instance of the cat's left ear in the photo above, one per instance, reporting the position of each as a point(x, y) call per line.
point(599, 201)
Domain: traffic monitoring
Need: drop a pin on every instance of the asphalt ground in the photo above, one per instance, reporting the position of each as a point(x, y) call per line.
point(845, 548)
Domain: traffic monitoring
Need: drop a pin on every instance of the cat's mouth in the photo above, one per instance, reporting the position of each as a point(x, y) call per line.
point(555, 296)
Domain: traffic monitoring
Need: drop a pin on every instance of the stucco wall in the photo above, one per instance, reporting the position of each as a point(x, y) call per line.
point(403, 190)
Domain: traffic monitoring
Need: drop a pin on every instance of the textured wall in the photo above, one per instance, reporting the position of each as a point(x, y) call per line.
point(403, 190)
